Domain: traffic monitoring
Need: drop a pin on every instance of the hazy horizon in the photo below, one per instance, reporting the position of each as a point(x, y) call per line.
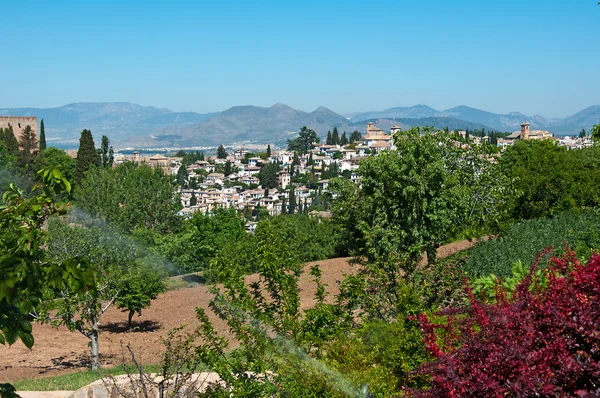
point(534, 58)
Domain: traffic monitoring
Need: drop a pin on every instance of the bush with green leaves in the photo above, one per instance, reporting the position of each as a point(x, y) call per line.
point(130, 196)
point(581, 231)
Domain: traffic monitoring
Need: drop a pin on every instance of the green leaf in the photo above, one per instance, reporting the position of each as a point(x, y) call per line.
point(27, 339)
point(25, 325)
point(12, 335)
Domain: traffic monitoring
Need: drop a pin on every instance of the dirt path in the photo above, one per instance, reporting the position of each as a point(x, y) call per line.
point(58, 351)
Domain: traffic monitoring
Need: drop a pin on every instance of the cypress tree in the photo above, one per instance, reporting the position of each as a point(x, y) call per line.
point(193, 200)
point(344, 139)
point(329, 141)
point(11, 141)
point(268, 151)
point(292, 200)
point(42, 136)
point(2, 134)
point(106, 152)
point(335, 137)
point(221, 152)
point(28, 143)
point(86, 155)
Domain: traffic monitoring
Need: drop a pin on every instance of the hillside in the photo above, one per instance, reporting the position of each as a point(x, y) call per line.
point(132, 125)
point(254, 124)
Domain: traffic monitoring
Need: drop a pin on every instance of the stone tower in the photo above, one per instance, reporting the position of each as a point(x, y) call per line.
point(525, 131)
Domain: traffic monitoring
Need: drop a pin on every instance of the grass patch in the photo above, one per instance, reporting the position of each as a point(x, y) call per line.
point(185, 281)
point(74, 381)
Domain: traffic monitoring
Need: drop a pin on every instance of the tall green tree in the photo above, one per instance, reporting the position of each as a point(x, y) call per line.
point(292, 199)
point(595, 134)
point(106, 152)
point(303, 142)
point(221, 152)
point(42, 136)
point(87, 156)
point(11, 141)
point(344, 139)
point(335, 137)
point(28, 143)
point(228, 168)
point(268, 151)
point(355, 136)
point(268, 175)
point(329, 140)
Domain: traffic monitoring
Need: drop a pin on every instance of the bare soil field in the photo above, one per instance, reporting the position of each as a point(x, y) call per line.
point(59, 351)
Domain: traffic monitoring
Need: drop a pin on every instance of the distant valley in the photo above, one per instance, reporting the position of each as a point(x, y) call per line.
point(132, 125)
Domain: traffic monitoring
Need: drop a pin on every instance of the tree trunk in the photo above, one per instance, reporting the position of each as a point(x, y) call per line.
point(94, 343)
point(130, 320)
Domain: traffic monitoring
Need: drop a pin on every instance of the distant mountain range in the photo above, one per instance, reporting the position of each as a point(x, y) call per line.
point(132, 125)
point(502, 122)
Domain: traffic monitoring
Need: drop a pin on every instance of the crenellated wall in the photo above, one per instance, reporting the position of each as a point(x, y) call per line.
point(19, 123)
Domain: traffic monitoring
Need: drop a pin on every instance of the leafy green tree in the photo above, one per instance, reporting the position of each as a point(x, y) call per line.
point(221, 152)
point(28, 143)
point(227, 169)
point(141, 285)
point(42, 136)
point(26, 272)
point(57, 158)
point(547, 190)
point(106, 153)
point(412, 199)
point(86, 155)
point(268, 175)
point(355, 136)
point(115, 263)
point(130, 196)
point(595, 133)
point(303, 143)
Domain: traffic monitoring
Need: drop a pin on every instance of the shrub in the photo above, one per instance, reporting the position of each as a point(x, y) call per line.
point(540, 342)
point(581, 231)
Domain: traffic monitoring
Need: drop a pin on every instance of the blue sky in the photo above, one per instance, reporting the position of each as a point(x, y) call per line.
point(536, 57)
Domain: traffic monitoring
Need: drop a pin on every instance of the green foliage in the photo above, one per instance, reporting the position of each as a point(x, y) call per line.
point(310, 238)
point(138, 288)
point(441, 285)
point(581, 231)
point(11, 141)
point(106, 152)
point(25, 270)
point(547, 189)
point(119, 274)
point(268, 175)
point(221, 152)
point(28, 143)
point(42, 136)
point(303, 143)
point(87, 156)
point(413, 199)
point(130, 196)
point(203, 236)
point(57, 158)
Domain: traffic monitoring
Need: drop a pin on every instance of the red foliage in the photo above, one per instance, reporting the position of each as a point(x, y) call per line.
point(543, 341)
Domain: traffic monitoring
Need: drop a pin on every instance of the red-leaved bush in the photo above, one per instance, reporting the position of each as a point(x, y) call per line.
point(542, 342)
